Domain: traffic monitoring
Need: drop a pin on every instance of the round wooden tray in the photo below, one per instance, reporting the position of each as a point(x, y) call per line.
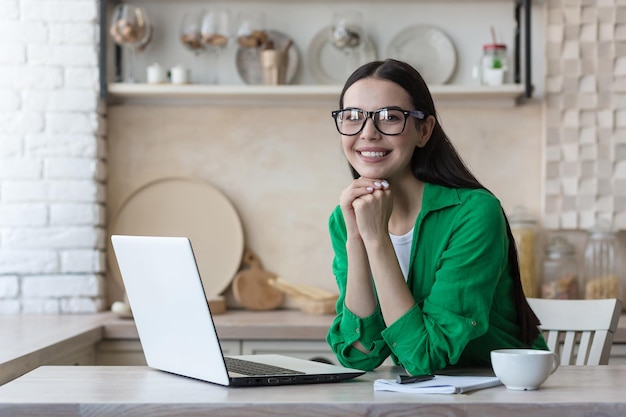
point(185, 208)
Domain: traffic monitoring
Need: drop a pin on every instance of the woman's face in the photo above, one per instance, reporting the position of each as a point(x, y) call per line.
point(371, 153)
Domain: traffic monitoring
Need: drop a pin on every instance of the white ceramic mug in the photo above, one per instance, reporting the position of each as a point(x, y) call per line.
point(155, 74)
point(523, 369)
point(179, 75)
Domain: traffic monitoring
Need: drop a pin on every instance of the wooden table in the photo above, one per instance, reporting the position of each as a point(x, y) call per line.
point(139, 391)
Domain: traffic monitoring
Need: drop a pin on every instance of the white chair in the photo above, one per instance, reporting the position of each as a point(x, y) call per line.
point(579, 331)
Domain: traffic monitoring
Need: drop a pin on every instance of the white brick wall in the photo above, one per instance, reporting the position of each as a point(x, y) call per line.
point(52, 158)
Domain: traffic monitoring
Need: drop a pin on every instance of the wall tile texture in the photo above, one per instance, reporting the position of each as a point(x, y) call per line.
point(585, 125)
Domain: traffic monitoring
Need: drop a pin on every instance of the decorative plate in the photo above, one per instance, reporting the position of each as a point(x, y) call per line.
point(426, 48)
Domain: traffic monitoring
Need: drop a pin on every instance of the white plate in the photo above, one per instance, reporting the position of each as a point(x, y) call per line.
point(426, 48)
point(249, 62)
point(329, 65)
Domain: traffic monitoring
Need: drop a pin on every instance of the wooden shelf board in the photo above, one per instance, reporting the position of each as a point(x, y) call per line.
point(507, 95)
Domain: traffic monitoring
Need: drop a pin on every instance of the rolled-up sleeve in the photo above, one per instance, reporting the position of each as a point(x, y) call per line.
point(348, 329)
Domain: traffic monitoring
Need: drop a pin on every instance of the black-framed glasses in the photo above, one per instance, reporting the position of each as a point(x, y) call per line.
point(389, 121)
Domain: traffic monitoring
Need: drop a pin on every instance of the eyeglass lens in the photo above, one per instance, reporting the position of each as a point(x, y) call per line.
point(387, 121)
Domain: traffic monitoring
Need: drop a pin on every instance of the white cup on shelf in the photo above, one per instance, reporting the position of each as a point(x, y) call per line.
point(179, 75)
point(155, 74)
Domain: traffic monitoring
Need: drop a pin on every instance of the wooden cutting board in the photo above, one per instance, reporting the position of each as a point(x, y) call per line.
point(189, 208)
point(251, 286)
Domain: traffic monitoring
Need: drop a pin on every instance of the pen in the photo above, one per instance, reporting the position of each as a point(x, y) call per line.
point(408, 379)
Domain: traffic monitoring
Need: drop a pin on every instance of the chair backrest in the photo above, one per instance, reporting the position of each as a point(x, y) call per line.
point(579, 331)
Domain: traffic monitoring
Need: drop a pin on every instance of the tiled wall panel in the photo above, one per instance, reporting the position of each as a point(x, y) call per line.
point(585, 153)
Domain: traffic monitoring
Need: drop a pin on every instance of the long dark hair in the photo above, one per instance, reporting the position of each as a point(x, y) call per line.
point(439, 163)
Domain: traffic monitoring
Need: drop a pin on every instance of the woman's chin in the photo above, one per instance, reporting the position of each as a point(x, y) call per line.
point(369, 171)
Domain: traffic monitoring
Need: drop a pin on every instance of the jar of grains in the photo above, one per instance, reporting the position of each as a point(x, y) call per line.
point(560, 270)
point(602, 263)
point(523, 227)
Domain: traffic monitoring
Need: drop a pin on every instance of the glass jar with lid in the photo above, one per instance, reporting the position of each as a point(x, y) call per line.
point(524, 229)
point(561, 271)
point(603, 273)
point(494, 64)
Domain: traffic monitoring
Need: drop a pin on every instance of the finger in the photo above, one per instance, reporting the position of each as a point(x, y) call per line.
point(362, 187)
point(377, 184)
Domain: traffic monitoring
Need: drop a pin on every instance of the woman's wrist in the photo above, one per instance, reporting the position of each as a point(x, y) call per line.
point(354, 241)
point(378, 245)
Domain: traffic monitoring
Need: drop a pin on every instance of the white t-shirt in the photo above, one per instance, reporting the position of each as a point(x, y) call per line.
point(402, 246)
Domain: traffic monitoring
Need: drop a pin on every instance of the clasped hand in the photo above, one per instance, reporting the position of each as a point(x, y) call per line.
point(366, 205)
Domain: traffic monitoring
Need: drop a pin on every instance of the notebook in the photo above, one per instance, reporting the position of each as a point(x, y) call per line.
point(175, 325)
point(440, 384)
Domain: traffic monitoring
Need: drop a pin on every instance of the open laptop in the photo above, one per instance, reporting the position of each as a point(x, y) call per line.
point(176, 328)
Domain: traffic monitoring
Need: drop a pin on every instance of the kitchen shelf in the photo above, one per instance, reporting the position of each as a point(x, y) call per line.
point(467, 95)
point(507, 95)
point(348, 1)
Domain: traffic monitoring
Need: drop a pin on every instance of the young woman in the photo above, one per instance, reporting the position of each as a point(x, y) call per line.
point(425, 261)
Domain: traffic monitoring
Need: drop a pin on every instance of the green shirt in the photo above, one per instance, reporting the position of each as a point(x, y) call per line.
point(458, 274)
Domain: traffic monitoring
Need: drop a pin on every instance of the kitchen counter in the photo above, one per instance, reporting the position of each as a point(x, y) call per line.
point(30, 341)
point(276, 324)
point(141, 391)
point(244, 324)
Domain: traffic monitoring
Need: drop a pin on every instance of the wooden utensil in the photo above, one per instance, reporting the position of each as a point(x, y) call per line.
point(217, 304)
point(251, 286)
point(310, 299)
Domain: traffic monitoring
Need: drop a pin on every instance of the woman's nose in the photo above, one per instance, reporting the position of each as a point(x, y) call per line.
point(369, 130)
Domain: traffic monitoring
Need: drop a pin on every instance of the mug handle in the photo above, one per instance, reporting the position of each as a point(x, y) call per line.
point(555, 363)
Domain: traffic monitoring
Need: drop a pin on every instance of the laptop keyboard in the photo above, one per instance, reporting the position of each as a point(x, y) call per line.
point(245, 367)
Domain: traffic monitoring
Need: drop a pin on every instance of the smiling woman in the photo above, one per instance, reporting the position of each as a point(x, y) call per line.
point(424, 257)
